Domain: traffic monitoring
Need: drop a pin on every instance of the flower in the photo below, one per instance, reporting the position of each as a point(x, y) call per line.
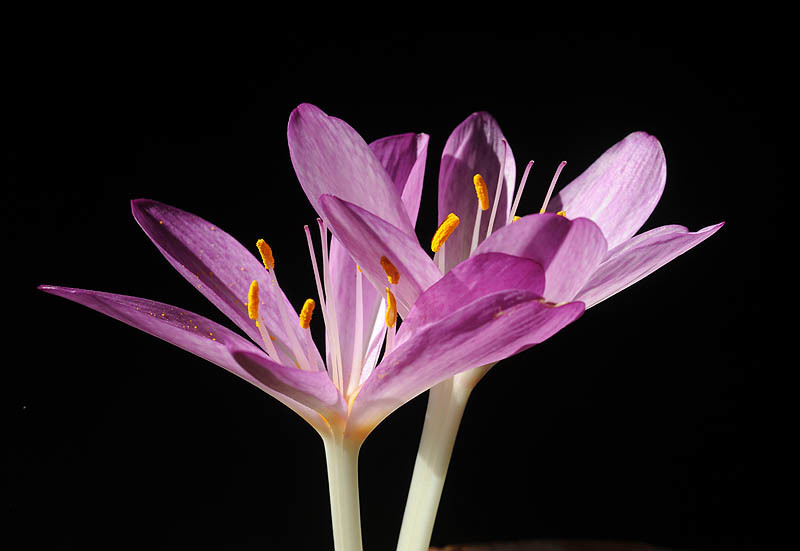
point(463, 320)
point(583, 238)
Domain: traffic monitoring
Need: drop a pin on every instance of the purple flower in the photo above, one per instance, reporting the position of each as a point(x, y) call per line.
point(583, 240)
point(488, 308)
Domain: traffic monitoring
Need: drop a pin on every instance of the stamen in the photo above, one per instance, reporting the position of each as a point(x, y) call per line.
point(515, 218)
point(252, 312)
point(252, 301)
point(391, 308)
point(498, 190)
point(266, 254)
point(513, 213)
point(482, 191)
point(391, 321)
point(552, 186)
point(443, 233)
point(562, 213)
point(307, 312)
point(392, 274)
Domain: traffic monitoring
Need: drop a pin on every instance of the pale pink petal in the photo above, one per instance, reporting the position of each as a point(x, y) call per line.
point(487, 330)
point(568, 250)
point(304, 392)
point(475, 147)
point(403, 156)
point(619, 191)
point(367, 238)
point(638, 258)
point(330, 157)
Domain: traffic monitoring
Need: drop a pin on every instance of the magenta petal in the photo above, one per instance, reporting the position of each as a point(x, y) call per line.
point(474, 147)
point(470, 280)
point(217, 265)
point(330, 157)
point(487, 330)
point(569, 250)
point(367, 238)
point(619, 191)
point(638, 258)
point(206, 339)
point(313, 389)
point(403, 156)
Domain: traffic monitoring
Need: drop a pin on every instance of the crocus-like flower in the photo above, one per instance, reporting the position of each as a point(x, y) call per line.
point(583, 239)
point(483, 310)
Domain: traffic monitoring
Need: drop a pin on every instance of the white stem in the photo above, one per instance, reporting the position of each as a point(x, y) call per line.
point(498, 191)
point(521, 188)
point(475, 229)
point(342, 457)
point(446, 403)
point(441, 259)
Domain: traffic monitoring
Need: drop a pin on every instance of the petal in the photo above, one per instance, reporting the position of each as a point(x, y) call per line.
point(467, 282)
point(638, 258)
point(343, 275)
point(619, 191)
point(313, 389)
point(210, 341)
point(475, 147)
point(367, 238)
point(403, 156)
point(487, 330)
point(218, 266)
point(569, 250)
point(330, 157)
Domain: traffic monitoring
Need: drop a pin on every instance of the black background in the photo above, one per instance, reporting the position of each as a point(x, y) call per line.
point(645, 420)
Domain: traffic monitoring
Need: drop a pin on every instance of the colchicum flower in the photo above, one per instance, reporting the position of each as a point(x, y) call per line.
point(484, 309)
point(583, 239)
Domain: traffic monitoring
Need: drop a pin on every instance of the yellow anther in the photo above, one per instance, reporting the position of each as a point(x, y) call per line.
point(358, 267)
point(266, 254)
point(391, 308)
point(482, 191)
point(252, 300)
point(562, 213)
point(443, 233)
point(307, 312)
point(515, 218)
point(391, 272)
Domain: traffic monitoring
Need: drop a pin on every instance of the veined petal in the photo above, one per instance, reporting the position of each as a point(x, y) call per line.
point(330, 157)
point(314, 389)
point(367, 237)
point(218, 266)
point(569, 250)
point(467, 282)
point(619, 191)
point(638, 258)
point(474, 147)
point(403, 156)
point(487, 330)
point(210, 341)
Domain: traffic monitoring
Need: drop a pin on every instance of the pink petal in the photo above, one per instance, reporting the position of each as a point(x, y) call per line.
point(619, 191)
point(403, 156)
point(367, 238)
point(218, 266)
point(568, 250)
point(469, 281)
point(638, 258)
point(303, 391)
point(474, 147)
point(487, 330)
point(330, 157)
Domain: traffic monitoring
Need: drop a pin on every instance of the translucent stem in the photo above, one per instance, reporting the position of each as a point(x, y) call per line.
point(446, 403)
point(342, 457)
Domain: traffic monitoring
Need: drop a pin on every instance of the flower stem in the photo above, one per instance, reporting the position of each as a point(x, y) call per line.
point(342, 457)
point(446, 403)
